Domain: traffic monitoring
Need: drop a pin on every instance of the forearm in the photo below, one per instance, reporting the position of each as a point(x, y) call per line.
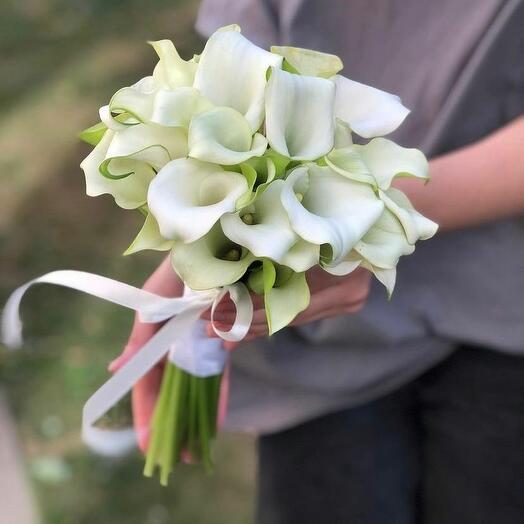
point(475, 184)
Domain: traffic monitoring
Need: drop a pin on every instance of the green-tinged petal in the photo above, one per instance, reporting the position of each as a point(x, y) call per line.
point(232, 72)
point(149, 237)
point(286, 298)
point(129, 192)
point(204, 264)
point(325, 207)
point(343, 136)
point(223, 136)
point(299, 115)
point(171, 70)
point(309, 62)
point(281, 162)
point(347, 162)
point(368, 111)
point(92, 135)
point(136, 100)
point(386, 160)
point(416, 226)
point(268, 232)
point(385, 242)
point(259, 173)
point(187, 197)
point(387, 277)
point(178, 106)
point(151, 143)
point(346, 266)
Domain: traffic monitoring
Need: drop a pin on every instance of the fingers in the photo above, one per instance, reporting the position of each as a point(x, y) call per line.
point(143, 400)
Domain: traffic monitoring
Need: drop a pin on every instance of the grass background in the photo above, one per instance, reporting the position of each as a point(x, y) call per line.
point(60, 60)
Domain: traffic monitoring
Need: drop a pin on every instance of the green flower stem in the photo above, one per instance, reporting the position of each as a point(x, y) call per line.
point(184, 420)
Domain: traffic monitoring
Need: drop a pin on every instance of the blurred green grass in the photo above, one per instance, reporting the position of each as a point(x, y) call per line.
point(61, 60)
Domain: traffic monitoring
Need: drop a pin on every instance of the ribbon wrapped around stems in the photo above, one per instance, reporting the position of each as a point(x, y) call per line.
point(181, 339)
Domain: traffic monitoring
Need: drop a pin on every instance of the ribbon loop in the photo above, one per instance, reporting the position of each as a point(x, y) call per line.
point(182, 336)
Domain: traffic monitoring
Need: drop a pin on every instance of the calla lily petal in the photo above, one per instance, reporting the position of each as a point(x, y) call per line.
point(343, 136)
point(223, 136)
point(203, 264)
point(368, 111)
point(286, 294)
point(171, 70)
point(93, 134)
point(385, 242)
point(299, 115)
point(386, 160)
point(309, 62)
point(416, 226)
point(149, 143)
point(270, 235)
point(232, 72)
point(332, 209)
point(187, 197)
point(176, 108)
point(129, 192)
point(149, 237)
point(347, 162)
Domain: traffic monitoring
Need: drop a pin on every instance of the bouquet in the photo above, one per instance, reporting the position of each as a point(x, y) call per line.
point(250, 167)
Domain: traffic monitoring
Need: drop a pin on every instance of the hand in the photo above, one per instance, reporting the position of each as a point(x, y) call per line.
point(331, 296)
point(165, 282)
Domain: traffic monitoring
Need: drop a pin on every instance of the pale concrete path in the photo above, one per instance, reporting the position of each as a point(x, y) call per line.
point(17, 505)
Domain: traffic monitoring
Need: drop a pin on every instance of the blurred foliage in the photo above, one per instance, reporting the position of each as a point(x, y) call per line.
point(60, 61)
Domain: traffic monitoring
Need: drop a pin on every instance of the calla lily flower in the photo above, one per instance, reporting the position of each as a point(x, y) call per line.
point(286, 294)
point(210, 262)
point(187, 197)
point(325, 207)
point(309, 62)
point(129, 188)
point(149, 237)
point(390, 238)
point(368, 111)
point(299, 115)
point(416, 226)
point(223, 136)
point(268, 232)
point(232, 72)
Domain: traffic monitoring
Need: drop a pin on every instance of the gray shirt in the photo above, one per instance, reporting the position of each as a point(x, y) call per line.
point(459, 66)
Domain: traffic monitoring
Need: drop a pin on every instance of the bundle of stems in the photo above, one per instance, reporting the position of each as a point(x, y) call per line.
point(184, 422)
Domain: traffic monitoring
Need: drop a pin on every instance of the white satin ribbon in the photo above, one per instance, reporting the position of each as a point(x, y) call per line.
point(182, 338)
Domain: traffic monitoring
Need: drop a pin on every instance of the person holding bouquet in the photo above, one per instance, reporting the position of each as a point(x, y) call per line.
point(411, 410)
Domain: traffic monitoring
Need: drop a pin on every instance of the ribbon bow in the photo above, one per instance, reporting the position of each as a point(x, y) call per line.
point(181, 338)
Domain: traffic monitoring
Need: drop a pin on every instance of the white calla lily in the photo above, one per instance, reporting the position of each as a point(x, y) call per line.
point(187, 197)
point(309, 62)
point(171, 70)
point(368, 111)
point(268, 232)
point(416, 226)
point(232, 72)
point(129, 190)
point(299, 115)
point(325, 207)
point(210, 262)
point(223, 136)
